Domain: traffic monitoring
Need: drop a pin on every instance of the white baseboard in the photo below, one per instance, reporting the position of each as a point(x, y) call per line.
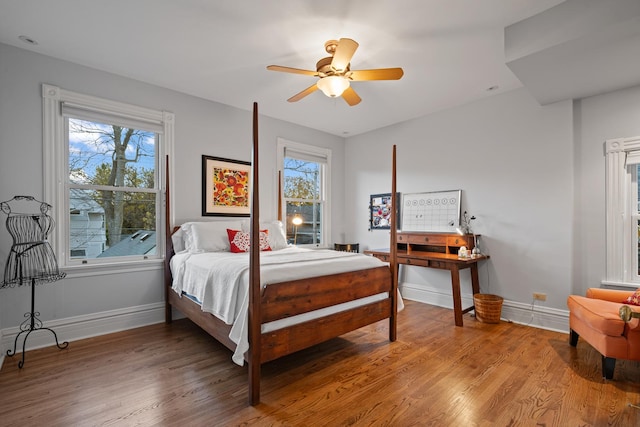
point(95, 324)
point(86, 326)
point(512, 311)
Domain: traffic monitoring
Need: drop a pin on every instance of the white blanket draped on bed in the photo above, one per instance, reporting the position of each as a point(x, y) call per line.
point(219, 280)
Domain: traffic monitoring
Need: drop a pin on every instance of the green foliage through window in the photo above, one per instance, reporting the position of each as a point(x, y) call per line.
point(303, 197)
point(112, 189)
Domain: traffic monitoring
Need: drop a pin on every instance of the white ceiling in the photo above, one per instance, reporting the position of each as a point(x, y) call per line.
point(451, 50)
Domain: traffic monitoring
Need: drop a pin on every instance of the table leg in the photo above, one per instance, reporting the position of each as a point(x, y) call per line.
point(475, 282)
point(457, 299)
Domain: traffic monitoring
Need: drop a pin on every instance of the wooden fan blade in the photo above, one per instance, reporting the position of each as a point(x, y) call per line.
point(307, 91)
point(351, 96)
point(292, 70)
point(343, 54)
point(378, 74)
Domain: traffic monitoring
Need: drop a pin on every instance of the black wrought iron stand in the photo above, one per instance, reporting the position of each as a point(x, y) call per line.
point(32, 323)
point(31, 259)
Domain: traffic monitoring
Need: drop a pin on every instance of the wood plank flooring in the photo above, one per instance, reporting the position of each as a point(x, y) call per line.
point(435, 374)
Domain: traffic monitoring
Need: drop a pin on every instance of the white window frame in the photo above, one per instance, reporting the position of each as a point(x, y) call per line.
point(312, 150)
point(55, 153)
point(621, 212)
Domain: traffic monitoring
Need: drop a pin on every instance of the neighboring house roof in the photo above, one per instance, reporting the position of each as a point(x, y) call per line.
point(139, 243)
point(78, 201)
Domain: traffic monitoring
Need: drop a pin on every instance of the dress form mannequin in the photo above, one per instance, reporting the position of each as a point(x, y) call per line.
point(31, 259)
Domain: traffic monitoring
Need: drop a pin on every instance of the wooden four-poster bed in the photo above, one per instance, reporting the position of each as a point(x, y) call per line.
point(285, 300)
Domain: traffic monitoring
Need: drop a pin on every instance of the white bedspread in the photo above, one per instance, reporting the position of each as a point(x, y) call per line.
point(219, 280)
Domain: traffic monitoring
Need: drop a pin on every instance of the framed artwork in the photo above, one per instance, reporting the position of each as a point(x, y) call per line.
point(437, 211)
point(380, 211)
point(226, 187)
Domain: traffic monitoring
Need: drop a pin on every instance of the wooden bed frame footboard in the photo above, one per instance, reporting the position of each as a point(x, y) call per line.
point(279, 302)
point(286, 299)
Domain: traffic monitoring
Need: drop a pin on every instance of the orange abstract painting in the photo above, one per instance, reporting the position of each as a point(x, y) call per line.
point(230, 187)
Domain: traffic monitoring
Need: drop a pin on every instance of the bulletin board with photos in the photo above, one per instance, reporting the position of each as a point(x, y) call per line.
point(380, 211)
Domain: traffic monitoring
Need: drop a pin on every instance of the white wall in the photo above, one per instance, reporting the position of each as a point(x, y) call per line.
point(201, 127)
point(532, 175)
point(513, 160)
point(598, 118)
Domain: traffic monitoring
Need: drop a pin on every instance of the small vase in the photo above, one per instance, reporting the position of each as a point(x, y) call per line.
point(475, 252)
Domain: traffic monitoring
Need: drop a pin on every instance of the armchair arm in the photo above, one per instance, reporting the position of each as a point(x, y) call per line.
point(612, 295)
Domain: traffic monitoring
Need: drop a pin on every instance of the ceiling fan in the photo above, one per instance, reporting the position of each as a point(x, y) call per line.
point(336, 75)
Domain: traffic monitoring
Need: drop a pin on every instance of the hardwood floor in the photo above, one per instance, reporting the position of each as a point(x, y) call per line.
point(435, 374)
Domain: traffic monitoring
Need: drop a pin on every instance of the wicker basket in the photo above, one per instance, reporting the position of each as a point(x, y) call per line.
point(488, 307)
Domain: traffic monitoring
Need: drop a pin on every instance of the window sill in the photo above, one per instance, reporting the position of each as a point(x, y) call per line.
point(613, 284)
point(113, 268)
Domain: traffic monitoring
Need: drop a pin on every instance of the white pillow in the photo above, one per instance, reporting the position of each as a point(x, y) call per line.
point(277, 235)
point(208, 236)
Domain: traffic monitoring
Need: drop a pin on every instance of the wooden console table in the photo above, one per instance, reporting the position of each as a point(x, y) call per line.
point(438, 250)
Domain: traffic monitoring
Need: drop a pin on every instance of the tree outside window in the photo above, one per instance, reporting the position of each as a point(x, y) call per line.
point(304, 201)
point(112, 190)
point(104, 180)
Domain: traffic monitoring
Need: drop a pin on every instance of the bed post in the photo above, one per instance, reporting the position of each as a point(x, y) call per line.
point(255, 332)
point(280, 196)
point(393, 253)
point(168, 252)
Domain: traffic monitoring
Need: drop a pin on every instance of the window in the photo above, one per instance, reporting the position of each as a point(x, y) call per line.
point(305, 186)
point(104, 178)
point(623, 211)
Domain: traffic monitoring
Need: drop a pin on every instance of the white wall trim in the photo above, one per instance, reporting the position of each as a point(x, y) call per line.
point(512, 311)
point(55, 158)
point(85, 326)
point(620, 232)
point(282, 144)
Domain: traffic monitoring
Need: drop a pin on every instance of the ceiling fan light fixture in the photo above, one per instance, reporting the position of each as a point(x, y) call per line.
point(335, 73)
point(333, 86)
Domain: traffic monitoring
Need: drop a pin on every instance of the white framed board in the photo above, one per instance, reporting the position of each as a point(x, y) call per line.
point(436, 211)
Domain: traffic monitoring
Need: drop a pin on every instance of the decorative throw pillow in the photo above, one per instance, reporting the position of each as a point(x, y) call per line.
point(239, 240)
point(275, 230)
point(633, 299)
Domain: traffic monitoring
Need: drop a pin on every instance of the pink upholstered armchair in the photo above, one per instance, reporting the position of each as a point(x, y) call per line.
point(596, 318)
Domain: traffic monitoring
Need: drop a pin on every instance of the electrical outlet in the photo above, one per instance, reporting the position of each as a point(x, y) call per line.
point(539, 296)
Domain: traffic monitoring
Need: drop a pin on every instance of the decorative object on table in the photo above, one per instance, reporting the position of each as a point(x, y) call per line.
point(465, 224)
point(463, 252)
point(437, 211)
point(347, 247)
point(226, 185)
point(31, 259)
point(488, 307)
point(380, 206)
point(475, 252)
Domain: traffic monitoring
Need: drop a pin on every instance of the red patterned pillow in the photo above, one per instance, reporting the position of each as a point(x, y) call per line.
point(239, 240)
point(633, 299)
